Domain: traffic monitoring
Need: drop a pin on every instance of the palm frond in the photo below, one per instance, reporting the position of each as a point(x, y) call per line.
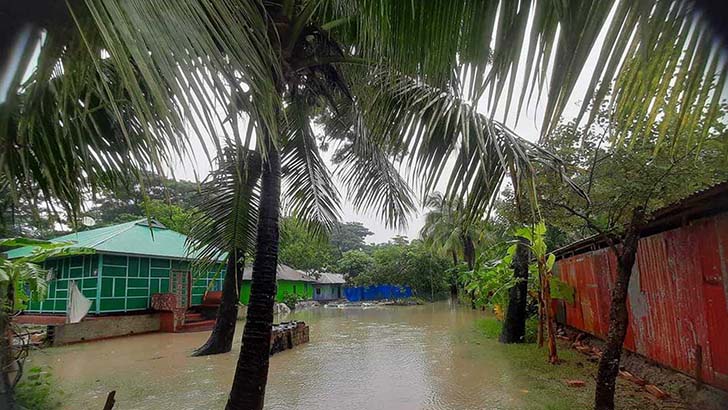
point(309, 190)
point(64, 137)
point(227, 211)
point(192, 73)
point(373, 182)
point(446, 140)
point(640, 48)
point(366, 167)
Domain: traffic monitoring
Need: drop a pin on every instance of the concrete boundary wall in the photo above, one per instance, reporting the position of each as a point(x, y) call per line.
point(104, 328)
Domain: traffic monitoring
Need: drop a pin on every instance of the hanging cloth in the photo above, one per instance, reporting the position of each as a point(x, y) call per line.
point(78, 304)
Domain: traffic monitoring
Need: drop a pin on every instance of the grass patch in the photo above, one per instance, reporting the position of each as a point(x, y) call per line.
point(526, 364)
point(37, 391)
point(490, 327)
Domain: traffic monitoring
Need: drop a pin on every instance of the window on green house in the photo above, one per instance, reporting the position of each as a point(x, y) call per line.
point(294, 288)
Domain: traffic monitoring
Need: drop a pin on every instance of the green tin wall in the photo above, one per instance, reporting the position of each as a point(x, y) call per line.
point(303, 289)
point(78, 268)
point(126, 282)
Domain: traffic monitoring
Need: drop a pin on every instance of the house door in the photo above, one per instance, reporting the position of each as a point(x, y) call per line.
point(179, 284)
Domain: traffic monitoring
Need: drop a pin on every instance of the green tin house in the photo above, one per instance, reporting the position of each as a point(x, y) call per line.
point(289, 281)
point(132, 261)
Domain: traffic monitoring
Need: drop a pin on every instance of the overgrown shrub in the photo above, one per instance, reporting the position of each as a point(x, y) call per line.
point(531, 329)
point(37, 390)
point(290, 299)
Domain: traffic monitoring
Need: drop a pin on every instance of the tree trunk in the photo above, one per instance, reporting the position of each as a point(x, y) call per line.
point(618, 317)
point(221, 338)
point(469, 251)
point(469, 256)
point(251, 372)
point(454, 283)
point(548, 312)
point(539, 335)
point(7, 399)
point(514, 325)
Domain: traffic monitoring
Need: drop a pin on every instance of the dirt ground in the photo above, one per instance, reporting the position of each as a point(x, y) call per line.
point(684, 392)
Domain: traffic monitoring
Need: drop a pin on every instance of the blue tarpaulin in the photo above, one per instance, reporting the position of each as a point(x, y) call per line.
point(377, 292)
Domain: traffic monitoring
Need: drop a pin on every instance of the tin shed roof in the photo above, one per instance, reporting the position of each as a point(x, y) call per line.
point(331, 278)
point(700, 204)
point(285, 272)
point(132, 238)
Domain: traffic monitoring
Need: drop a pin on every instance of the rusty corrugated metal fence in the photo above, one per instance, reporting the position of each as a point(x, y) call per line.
point(678, 297)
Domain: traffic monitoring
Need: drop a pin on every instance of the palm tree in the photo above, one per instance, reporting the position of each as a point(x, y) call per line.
point(225, 221)
point(250, 56)
point(439, 230)
point(230, 42)
point(446, 230)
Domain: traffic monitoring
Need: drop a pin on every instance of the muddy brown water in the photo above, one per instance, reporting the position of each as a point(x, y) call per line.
point(420, 357)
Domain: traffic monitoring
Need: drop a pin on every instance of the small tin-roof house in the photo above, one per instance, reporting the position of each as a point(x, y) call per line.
point(134, 260)
point(289, 281)
point(131, 262)
point(329, 286)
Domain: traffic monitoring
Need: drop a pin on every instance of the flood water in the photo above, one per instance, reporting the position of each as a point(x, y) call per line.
point(419, 357)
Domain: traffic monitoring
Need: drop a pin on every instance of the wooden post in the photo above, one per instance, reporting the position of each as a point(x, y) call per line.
point(699, 365)
point(110, 401)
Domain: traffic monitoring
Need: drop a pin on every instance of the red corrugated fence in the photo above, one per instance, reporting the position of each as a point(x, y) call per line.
point(678, 297)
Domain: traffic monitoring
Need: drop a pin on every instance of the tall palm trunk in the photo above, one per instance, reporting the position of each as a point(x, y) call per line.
point(221, 338)
point(514, 325)
point(618, 316)
point(469, 251)
point(251, 372)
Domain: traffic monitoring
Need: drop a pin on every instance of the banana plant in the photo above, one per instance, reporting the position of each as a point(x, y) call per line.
point(490, 281)
point(27, 273)
point(536, 236)
point(21, 279)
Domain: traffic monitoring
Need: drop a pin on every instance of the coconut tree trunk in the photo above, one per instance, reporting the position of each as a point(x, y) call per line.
point(221, 338)
point(618, 316)
point(251, 372)
point(514, 325)
point(469, 251)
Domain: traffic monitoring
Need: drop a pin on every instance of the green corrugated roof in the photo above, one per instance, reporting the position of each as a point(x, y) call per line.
point(132, 238)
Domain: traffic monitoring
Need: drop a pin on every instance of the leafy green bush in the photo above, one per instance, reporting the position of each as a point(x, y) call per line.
point(531, 329)
point(290, 299)
point(37, 391)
